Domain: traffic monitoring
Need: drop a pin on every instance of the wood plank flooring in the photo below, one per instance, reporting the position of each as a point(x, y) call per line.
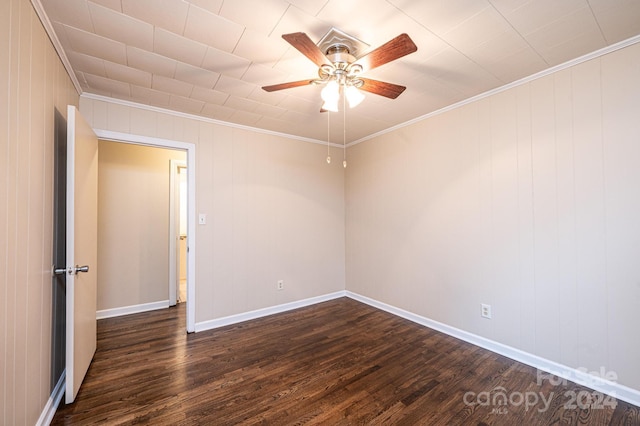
point(339, 363)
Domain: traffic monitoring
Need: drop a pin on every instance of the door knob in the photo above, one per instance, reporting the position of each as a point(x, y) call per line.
point(84, 268)
point(59, 271)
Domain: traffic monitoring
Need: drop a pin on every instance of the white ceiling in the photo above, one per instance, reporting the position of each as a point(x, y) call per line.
point(211, 57)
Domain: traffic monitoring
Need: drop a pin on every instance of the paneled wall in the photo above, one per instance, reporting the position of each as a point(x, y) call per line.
point(275, 210)
point(527, 200)
point(33, 85)
point(133, 224)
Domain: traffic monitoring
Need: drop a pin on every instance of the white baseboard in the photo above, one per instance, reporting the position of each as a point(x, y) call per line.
point(133, 309)
point(259, 313)
point(52, 404)
point(616, 390)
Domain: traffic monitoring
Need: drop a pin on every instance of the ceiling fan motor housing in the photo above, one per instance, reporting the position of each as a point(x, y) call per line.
point(339, 56)
point(343, 69)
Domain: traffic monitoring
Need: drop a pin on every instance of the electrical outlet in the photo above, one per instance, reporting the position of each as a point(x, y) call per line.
point(280, 285)
point(485, 311)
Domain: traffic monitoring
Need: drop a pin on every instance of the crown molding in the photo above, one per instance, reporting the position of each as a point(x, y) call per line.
point(573, 62)
point(132, 104)
point(48, 28)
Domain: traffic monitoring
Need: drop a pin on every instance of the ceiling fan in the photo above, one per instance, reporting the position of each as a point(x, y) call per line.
point(340, 69)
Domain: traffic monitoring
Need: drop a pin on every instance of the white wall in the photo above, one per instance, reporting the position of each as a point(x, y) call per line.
point(133, 224)
point(528, 200)
point(33, 85)
point(275, 210)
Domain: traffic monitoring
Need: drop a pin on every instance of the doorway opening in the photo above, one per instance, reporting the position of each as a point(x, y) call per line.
point(189, 233)
point(178, 225)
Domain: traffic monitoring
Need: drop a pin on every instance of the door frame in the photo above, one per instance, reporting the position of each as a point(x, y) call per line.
point(174, 231)
point(190, 149)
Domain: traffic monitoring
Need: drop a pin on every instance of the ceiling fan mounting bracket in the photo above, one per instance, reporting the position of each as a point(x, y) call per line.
point(335, 37)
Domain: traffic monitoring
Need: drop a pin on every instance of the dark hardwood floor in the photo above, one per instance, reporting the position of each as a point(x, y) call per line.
point(338, 362)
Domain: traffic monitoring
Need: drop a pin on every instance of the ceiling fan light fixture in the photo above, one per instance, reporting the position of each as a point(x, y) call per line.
point(354, 96)
point(331, 92)
point(331, 105)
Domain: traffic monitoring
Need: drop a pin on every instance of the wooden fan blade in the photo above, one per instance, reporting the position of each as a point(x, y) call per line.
point(307, 47)
point(390, 51)
point(388, 90)
point(288, 85)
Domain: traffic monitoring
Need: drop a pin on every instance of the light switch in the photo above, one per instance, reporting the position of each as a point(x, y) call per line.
point(202, 219)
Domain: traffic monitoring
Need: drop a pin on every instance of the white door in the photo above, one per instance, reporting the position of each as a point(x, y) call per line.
point(82, 249)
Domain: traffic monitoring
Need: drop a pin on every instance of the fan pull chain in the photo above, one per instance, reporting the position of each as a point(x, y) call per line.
point(344, 131)
point(328, 136)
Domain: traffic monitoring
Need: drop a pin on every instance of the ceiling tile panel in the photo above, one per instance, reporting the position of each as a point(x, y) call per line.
point(225, 63)
point(372, 26)
point(296, 66)
point(312, 7)
point(72, 13)
point(440, 16)
point(209, 96)
point(617, 19)
point(243, 104)
point(300, 120)
point(260, 48)
point(81, 80)
point(486, 25)
point(580, 45)
point(262, 16)
point(195, 75)
point(432, 88)
point(516, 65)
point(61, 34)
point(355, 130)
point(151, 62)
point(212, 30)
point(127, 74)
point(505, 7)
point(273, 124)
point(168, 14)
point(210, 5)
point(180, 103)
point(269, 98)
point(536, 14)
point(454, 69)
point(295, 20)
point(304, 105)
point(261, 75)
point(111, 4)
point(95, 45)
point(154, 97)
point(111, 24)
point(579, 26)
point(217, 112)
point(179, 48)
point(108, 85)
point(492, 50)
point(428, 43)
point(171, 86)
point(87, 63)
point(245, 118)
point(234, 87)
point(270, 110)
